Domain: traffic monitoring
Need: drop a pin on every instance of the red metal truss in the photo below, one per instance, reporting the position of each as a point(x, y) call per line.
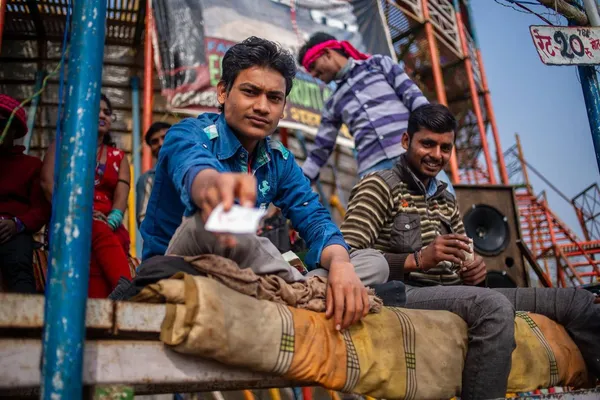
point(547, 236)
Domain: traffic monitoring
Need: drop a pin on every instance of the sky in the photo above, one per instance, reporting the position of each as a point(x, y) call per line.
point(544, 104)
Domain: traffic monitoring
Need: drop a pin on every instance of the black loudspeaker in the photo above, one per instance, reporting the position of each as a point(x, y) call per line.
point(491, 219)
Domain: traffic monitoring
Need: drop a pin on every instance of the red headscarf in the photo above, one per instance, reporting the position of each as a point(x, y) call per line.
point(7, 105)
point(317, 51)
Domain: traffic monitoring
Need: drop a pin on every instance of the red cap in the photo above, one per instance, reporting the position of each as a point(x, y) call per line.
point(7, 105)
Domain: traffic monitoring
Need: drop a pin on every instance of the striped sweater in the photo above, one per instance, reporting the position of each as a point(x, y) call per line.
point(374, 99)
point(390, 211)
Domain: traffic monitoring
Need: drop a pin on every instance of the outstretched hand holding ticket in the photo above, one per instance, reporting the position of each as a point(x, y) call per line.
point(211, 188)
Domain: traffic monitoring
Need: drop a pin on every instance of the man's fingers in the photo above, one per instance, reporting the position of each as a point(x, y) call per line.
point(470, 273)
point(246, 190)
point(456, 243)
point(456, 236)
point(329, 303)
point(226, 186)
point(4, 236)
point(359, 307)
point(350, 307)
point(338, 311)
point(481, 278)
point(474, 280)
point(452, 258)
point(210, 199)
point(476, 263)
point(455, 252)
point(367, 306)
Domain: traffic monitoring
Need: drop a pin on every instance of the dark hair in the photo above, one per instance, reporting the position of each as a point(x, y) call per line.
point(315, 39)
point(436, 118)
point(104, 98)
point(107, 139)
point(155, 127)
point(259, 52)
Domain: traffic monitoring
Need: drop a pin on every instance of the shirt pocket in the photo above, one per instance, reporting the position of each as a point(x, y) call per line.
point(445, 226)
point(406, 233)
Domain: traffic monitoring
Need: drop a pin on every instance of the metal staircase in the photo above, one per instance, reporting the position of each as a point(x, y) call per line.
point(566, 259)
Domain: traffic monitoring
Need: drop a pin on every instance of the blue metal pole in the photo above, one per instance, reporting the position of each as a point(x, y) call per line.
point(137, 163)
point(64, 320)
point(39, 78)
point(591, 95)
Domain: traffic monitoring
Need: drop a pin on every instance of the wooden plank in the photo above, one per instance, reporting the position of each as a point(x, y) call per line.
point(20, 311)
point(147, 366)
point(139, 317)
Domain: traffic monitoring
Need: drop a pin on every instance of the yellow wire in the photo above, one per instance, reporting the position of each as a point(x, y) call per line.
point(26, 101)
point(274, 394)
point(131, 214)
point(333, 395)
point(248, 395)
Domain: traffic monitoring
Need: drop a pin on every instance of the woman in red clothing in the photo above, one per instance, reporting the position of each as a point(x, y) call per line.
point(110, 240)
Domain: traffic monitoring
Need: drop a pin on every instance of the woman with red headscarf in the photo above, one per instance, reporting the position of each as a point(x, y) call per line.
point(110, 240)
point(23, 208)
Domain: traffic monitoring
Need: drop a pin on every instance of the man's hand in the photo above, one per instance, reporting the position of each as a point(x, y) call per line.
point(445, 248)
point(8, 229)
point(474, 272)
point(347, 297)
point(210, 188)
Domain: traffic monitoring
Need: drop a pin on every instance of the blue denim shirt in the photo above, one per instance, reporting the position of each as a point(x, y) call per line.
point(196, 144)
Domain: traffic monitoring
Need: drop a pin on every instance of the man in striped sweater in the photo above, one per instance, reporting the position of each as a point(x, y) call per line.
point(373, 98)
point(407, 214)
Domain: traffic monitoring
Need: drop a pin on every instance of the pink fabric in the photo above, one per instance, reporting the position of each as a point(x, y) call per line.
point(317, 51)
point(7, 105)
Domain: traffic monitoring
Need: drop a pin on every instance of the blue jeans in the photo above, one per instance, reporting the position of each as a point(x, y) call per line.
point(389, 163)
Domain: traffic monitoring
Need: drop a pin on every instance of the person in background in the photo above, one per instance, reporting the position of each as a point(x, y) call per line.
point(373, 98)
point(407, 214)
point(110, 239)
point(155, 138)
point(23, 207)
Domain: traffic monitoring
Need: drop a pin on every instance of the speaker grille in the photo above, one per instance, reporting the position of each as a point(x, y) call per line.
point(488, 228)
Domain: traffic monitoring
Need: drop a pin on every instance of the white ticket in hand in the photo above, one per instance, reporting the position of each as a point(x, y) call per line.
point(238, 220)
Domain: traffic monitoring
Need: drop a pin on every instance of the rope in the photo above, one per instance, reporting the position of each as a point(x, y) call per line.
point(65, 49)
point(25, 102)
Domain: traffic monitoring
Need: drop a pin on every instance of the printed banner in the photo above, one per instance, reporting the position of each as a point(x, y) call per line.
point(562, 45)
point(191, 37)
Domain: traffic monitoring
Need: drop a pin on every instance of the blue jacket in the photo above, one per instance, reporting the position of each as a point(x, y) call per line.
point(207, 142)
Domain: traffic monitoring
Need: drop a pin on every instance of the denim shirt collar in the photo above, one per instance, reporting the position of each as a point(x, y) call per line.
point(228, 145)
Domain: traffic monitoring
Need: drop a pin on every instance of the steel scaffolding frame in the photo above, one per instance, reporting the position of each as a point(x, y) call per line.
point(546, 235)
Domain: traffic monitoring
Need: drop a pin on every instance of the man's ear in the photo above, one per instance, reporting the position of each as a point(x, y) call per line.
point(405, 141)
point(221, 92)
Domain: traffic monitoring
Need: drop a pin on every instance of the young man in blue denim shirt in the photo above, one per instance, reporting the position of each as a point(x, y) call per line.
point(228, 157)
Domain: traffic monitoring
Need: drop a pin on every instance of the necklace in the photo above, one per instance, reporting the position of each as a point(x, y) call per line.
point(99, 167)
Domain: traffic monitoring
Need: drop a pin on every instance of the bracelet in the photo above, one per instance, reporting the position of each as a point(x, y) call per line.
point(19, 225)
point(417, 255)
point(115, 218)
point(124, 181)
